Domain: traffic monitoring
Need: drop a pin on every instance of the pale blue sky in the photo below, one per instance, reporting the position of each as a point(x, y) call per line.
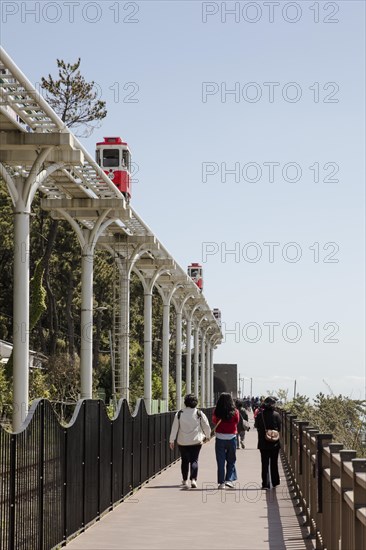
point(168, 53)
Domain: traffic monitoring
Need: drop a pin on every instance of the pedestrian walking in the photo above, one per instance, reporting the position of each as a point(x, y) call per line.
point(190, 428)
point(268, 424)
point(225, 418)
point(243, 424)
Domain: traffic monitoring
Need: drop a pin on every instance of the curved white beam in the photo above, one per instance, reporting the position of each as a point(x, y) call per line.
point(9, 183)
point(42, 176)
point(30, 181)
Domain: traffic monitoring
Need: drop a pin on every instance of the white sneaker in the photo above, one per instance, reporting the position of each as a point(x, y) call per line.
point(194, 484)
point(184, 484)
point(221, 486)
point(229, 484)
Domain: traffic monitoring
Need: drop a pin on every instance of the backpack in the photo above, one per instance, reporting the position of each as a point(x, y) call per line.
point(199, 414)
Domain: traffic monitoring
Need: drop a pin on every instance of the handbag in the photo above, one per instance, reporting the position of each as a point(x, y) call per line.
point(246, 425)
point(243, 425)
point(270, 435)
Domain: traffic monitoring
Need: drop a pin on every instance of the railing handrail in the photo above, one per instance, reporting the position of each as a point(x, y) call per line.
point(330, 484)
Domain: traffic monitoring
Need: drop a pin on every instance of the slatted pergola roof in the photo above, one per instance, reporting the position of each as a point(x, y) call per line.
point(29, 124)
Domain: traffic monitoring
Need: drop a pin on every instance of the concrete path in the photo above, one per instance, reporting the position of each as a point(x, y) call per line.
point(161, 515)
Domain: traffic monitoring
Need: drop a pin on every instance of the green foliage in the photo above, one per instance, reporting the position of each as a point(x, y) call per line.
point(39, 385)
point(36, 307)
point(300, 406)
point(6, 395)
point(65, 377)
point(6, 263)
point(37, 295)
point(73, 98)
point(136, 372)
point(341, 416)
point(102, 378)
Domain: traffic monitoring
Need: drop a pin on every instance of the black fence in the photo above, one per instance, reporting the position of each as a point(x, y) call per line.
point(55, 480)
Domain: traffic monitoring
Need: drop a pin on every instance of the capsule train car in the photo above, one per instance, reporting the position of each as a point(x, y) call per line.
point(217, 314)
point(195, 273)
point(114, 157)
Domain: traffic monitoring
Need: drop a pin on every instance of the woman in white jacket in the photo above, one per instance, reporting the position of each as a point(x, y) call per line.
point(190, 428)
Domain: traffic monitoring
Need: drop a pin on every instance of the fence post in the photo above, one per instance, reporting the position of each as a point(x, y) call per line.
point(309, 483)
point(322, 440)
point(345, 512)
point(111, 463)
point(291, 418)
point(334, 499)
point(41, 473)
point(84, 412)
point(13, 451)
point(283, 434)
point(65, 487)
point(98, 459)
point(301, 424)
point(359, 466)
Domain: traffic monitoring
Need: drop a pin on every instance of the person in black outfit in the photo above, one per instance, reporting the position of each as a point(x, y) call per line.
point(268, 419)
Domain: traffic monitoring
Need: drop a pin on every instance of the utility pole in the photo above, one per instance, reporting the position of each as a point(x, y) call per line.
point(251, 387)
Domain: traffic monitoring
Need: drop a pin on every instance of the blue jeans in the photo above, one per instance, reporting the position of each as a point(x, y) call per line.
point(226, 452)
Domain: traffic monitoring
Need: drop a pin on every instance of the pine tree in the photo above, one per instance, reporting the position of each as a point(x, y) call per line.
point(74, 99)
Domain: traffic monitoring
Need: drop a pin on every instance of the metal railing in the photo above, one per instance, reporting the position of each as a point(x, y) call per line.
point(330, 484)
point(55, 480)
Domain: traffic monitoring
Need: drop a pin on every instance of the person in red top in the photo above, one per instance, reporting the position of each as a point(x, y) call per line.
point(225, 417)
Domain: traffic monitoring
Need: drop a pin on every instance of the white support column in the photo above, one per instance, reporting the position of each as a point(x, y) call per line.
point(147, 348)
point(178, 359)
point(148, 285)
point(166, 314)
point(208, 360)
point(86, 346)
point(196, 361)
point(21, 315)
point(87, 239)
point(203, 363)
point(188, 356)
point(124, 340)
point(22, 191)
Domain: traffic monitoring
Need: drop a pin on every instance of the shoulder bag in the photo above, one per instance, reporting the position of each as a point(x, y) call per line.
point(270, 435)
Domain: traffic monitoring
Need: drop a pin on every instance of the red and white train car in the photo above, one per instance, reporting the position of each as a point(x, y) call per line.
point(217, 314)
point(114, 157)
point(195, 273)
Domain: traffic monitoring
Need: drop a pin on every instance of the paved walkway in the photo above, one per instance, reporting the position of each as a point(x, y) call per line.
point(161, 515)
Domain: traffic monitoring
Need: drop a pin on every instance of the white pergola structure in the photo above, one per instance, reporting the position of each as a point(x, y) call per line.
point(38, 153)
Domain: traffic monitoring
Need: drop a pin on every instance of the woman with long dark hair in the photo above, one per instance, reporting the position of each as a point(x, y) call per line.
point(225, 417)
point(268, 420)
